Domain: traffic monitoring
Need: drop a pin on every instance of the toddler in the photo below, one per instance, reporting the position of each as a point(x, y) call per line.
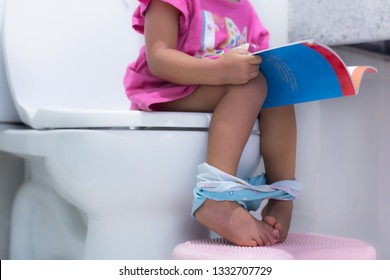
point(194, 61)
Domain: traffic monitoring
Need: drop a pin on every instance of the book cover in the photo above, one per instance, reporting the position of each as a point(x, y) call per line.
point(307, 71)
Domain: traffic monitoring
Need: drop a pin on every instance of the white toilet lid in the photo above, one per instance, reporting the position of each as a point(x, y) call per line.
point(65, 61)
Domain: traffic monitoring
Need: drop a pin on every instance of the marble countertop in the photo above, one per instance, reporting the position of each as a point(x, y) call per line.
point(339, 22)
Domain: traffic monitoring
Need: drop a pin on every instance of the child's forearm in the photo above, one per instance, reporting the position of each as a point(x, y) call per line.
point(234, 67)
point(179, 68)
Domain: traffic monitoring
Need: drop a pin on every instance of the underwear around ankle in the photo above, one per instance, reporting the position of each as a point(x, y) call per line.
point(215, 184)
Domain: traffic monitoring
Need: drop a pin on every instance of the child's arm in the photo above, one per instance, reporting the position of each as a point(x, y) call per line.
point(167, 63)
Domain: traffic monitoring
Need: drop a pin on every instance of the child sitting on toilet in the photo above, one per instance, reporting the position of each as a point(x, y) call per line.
point(193, 61)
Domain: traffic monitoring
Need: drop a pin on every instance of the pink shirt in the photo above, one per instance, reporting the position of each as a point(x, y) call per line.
point(208, 28)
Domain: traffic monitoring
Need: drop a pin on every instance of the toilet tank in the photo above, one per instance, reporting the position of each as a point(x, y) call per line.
point(8, 112)
point(68, 55)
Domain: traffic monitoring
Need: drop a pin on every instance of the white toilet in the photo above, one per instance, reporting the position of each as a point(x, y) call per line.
point(101, 182)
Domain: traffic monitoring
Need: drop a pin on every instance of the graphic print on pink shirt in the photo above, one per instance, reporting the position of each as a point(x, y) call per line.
point(219, 34)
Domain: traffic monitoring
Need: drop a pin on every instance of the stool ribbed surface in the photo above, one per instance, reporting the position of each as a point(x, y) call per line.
point(299, 246)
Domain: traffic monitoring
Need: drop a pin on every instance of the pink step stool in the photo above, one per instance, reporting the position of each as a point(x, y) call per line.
point(298, 246)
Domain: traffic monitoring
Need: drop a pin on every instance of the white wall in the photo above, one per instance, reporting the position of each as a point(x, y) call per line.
point(274, 16)
point(343, 149)
point(344, 158)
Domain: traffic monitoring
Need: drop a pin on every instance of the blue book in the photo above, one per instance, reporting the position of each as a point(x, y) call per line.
point(307, 71)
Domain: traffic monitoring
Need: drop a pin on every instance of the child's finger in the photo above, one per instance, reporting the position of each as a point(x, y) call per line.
point(256, 59)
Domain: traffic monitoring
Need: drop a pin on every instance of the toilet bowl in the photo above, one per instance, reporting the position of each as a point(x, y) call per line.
point(101, 182)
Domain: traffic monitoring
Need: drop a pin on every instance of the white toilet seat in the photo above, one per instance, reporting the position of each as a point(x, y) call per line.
point(71, 118)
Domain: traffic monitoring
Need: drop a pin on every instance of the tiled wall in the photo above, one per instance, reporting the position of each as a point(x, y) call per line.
point(338, 22)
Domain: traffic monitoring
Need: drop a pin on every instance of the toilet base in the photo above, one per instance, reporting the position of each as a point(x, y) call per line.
point(44, 225)
point(95, 194)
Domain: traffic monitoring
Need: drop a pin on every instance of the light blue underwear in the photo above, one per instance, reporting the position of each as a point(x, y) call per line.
point(215, 184)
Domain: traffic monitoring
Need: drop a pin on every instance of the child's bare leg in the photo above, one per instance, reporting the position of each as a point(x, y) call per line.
point(235, 110)
point(278, 148)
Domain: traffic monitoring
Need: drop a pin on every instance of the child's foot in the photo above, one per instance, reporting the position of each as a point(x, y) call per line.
point(277, 213)
point(234, 223)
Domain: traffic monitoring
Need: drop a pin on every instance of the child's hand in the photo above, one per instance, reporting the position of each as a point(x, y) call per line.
point(238, 66)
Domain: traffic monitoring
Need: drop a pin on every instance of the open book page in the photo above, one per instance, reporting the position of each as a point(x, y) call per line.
point(306, 71)
point(357, 73)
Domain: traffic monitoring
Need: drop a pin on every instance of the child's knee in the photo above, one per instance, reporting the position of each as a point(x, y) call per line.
point(256, 90)
point(249, 95)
